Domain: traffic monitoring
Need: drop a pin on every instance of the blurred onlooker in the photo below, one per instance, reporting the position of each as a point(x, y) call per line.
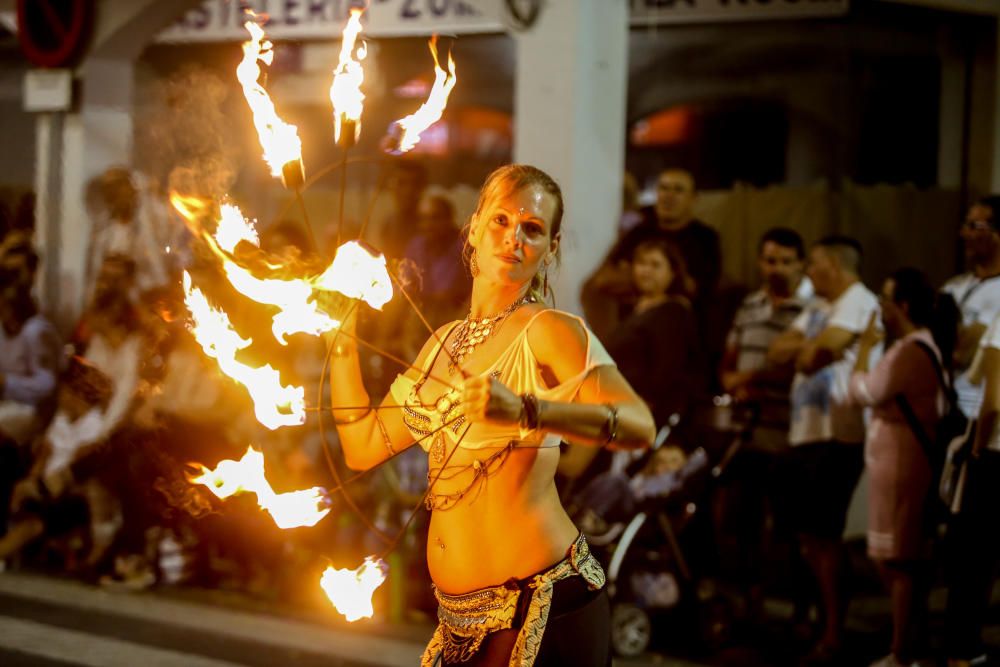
point(904, 385)
point(50, 498)
point(191, 414)
point(746, 372)
point(436, 251)
point(974, 542)
point(29, 365)
point(977, 292)
point(609, 294)
point(657, 347)
point(110, 335)
point(820, 471)
point(759, 392)
point(407, 185)
point(111, 340)
point(121, 228)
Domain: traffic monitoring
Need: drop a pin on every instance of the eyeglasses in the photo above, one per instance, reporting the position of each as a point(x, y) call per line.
point(977, 225)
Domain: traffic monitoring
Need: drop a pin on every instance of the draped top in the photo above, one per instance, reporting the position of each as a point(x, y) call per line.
point(518, 369)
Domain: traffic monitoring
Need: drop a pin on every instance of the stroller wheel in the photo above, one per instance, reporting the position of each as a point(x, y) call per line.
point(630, 630)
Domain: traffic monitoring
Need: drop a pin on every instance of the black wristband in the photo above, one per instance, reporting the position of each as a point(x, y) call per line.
point(529, 411)
point(611, 425)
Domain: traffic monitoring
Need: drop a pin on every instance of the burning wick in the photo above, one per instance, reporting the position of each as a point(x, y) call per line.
point(345, 92)
point(279, 140)
point(350, 591)
point(293, 175)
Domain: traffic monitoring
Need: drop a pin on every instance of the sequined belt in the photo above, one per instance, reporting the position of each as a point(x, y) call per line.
point(464, 621)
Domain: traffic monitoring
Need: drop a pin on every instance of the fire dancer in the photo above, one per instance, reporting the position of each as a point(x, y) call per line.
point(497, 392)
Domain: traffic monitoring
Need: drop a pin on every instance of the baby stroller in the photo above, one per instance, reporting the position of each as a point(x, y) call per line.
point(645, 519)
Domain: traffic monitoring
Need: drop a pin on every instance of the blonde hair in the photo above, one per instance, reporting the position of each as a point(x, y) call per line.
point(513, 178)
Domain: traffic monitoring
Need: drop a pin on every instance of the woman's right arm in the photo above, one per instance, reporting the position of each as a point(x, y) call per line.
point(368, 436)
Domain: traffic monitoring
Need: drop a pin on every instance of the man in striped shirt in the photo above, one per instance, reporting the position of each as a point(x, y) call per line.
point(755, 383)
point(746, 374)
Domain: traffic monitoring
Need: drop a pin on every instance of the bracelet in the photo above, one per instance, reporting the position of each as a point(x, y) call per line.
point(530, 411)
point(611, 425)
point(385, 435)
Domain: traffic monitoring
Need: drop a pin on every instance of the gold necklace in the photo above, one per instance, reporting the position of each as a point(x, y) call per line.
point(472, 332)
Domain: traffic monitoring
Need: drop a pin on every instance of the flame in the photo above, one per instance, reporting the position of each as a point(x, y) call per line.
point(233, 228)
point(345, 92)
point(355, 273)
point(294, 509)
point(431, 110)
point(279, 140)
point(351, 591)
point(274, 405)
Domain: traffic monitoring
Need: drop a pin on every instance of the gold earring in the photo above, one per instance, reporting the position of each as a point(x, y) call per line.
point(473, 264)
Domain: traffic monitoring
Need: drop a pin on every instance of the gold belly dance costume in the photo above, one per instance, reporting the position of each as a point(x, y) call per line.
point(464, 621)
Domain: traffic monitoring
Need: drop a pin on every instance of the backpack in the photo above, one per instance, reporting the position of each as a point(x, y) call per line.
point(947, 451)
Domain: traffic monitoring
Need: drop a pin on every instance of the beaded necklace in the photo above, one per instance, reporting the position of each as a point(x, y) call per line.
point(472, 332)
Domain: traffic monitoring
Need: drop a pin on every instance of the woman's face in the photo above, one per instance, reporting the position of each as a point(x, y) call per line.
point(513, 235)
point(651, 272)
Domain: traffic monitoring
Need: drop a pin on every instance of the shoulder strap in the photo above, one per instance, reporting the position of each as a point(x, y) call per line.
point(972, 289)
point(946, 385)
point(911, 418)
point(916, 426)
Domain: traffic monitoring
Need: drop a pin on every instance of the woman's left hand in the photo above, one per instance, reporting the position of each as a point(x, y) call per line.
point(873, 333)
point(487, 399)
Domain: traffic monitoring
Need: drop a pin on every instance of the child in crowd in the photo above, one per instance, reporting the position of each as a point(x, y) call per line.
point(613, 496)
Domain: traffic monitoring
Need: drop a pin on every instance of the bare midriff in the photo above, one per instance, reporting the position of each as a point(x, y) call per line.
point(509, 525)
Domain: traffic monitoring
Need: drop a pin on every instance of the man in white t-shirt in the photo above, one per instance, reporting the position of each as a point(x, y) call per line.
point(974, 540)
point(977, 293)
point(819, 473)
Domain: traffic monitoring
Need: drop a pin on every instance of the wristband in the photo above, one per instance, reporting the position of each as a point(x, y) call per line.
point(611, 425)
point(529, 411)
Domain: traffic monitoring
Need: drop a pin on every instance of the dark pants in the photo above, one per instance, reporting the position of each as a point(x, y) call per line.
point(11, 470)
point(740, 511)
point(973, 554)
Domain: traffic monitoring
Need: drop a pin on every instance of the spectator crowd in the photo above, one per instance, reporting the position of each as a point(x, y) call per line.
point(791, 392)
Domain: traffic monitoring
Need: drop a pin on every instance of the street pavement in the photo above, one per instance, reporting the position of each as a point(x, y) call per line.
point(49, 622)
point(53, 622)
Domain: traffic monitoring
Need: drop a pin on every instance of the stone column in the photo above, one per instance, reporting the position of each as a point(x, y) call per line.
point(570, 97)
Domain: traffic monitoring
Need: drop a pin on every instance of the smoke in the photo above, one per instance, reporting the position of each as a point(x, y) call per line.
point(183, 135)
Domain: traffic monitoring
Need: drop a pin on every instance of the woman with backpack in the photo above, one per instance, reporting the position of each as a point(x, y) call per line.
point(906, 392)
